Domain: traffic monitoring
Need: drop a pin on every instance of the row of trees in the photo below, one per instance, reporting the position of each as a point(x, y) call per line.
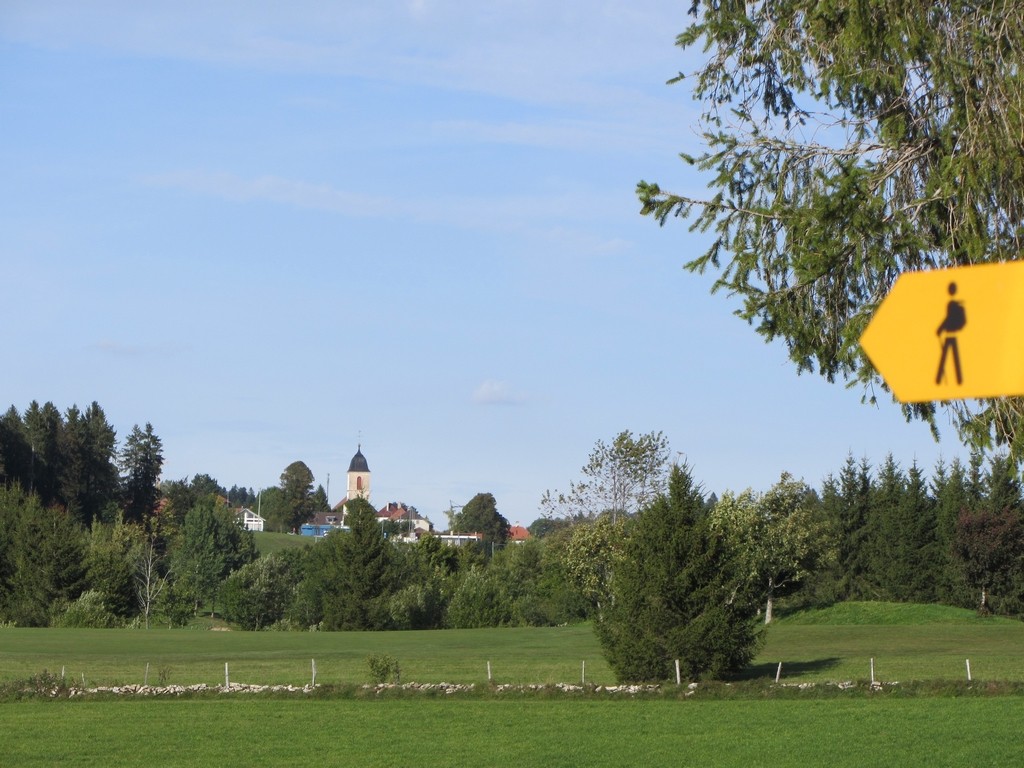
point(71, 460)
point(953, 538)
point(54, 571)
point(684, 577)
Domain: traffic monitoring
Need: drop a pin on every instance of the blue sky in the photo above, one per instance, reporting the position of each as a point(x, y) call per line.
point(277, 230)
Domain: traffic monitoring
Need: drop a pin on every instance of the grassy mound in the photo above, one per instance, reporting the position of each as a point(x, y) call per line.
point(888, 614)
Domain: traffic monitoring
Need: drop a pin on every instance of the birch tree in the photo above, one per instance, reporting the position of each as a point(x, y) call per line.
point(620, 478)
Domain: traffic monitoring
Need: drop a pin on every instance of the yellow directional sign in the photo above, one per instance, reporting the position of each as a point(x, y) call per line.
point(950, 334)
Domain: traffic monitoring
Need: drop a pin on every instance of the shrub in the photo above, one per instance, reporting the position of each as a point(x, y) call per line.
point(258, 594)
point(383, 668)
point(481, 600)
point(417, 606)
point(89, 611)
point(44, 685)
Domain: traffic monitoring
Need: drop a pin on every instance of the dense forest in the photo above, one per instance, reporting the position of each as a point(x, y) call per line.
point(89, 536)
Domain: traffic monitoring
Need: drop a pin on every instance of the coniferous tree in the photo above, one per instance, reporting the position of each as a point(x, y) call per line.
point(141, 462)
point(43, 558)
point(198, 561)
point(679, 593)
point(853, 513)
point(952, 495)
point(43, 426)
point(88, 475)
point(884, 535)
point(72, 464)
point(353, 573)
point(111, 564)
point(915, 574)
point(847, 143)
point(101, 481)
point(15, 451)
point(1002, 487)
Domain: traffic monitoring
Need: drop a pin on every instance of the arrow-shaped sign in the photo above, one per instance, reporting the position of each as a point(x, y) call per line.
point(949, 334)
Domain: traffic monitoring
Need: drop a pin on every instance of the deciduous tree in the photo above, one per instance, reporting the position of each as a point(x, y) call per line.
point(620, 479)
point(480, 515)
point(258, 594)
point(298, 503)
point(778, 537)
point(591, 556)
point(988, 545)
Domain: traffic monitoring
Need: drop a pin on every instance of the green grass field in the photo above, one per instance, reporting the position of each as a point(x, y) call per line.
point(105, 657)
point(756, 727)
point(930, 732)
point(908, 643)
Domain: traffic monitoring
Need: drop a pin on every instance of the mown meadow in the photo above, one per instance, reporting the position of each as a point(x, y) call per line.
point(907, 643)
point(931, 717)
point(232, 732)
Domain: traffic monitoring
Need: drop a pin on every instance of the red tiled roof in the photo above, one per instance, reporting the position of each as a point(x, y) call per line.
point(518, 533)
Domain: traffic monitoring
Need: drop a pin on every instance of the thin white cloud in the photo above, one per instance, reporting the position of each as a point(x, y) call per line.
point(575, 136)
point(273, 189)
point(117, 348)
point(495, 392)
point(530, 50)
point(543, 215)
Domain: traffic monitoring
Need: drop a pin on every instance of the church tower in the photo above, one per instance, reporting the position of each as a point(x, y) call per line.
point(358, 477)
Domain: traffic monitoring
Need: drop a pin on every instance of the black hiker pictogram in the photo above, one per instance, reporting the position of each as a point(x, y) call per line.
point(956, 319)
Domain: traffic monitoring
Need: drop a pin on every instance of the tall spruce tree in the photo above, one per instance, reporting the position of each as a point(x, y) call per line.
point(885, 545)
point(15, 451)
point(916, 574)
point(847, 501)
point(952, 496)
point(678, 593)
point(353, 572)
point(43, 426)
point(141, 462)
point(43, 558)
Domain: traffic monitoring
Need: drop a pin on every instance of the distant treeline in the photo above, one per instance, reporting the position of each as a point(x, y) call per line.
point(954, 538)
point(88, 537)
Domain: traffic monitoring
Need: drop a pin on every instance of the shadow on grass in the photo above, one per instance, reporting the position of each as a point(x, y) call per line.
point(790, 669)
